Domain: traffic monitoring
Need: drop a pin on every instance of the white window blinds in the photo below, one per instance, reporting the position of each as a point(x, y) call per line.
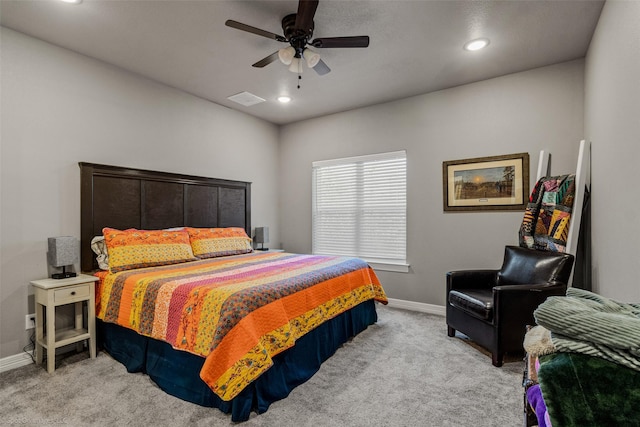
point(360, 207)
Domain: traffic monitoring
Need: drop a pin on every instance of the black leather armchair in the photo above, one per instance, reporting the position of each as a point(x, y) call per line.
point(492, 307)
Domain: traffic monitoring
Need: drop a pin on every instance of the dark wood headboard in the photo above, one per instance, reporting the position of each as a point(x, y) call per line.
point(119, 197)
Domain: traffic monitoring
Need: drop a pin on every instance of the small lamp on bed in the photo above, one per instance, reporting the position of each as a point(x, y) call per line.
point(262, 237)
point(63, 251)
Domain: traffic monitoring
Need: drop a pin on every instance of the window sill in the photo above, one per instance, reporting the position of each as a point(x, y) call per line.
point(386, 266)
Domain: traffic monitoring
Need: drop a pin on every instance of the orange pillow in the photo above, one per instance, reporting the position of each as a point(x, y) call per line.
point(129, 249)
point(215, 242)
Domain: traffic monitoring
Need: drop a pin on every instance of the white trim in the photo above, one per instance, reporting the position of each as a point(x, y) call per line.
point(388, 266)
point(16, 361)
point(438, 310)
point(401, 154)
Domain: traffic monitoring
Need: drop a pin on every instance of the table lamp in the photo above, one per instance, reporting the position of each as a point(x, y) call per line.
point(262, 237)
point(63, 251)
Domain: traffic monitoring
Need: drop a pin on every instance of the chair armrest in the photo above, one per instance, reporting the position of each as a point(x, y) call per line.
point(471, 279)
point(520, 301)
point(548, 288)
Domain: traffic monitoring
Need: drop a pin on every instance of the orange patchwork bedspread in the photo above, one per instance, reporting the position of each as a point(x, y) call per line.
point(236, 311)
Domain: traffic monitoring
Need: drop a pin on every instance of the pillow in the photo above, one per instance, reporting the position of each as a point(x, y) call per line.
point(100, 248)
point(129, 249)
point(214, 242)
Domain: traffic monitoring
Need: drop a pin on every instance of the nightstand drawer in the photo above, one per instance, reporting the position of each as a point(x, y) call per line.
point(71, 293)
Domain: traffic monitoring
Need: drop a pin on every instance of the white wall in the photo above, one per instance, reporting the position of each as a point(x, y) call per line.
point(612, 124)
point(524, 112)
point(60, 108)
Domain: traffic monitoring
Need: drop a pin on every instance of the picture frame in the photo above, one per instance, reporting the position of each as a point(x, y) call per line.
point(495, 183)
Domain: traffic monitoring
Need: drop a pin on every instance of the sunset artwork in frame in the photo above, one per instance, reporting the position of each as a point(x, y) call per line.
point(497, 183)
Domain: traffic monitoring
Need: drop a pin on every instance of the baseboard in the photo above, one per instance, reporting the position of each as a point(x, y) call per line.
point(417, 306)
point(16, 361)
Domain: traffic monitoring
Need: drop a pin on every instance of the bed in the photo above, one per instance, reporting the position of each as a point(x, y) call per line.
point(207, 318)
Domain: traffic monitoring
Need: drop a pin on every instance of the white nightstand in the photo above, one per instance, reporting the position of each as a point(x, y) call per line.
point(51, 293)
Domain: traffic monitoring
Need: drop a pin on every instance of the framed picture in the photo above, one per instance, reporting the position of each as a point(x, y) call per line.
point(497, 183)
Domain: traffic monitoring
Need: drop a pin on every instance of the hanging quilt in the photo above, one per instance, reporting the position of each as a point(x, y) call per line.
point(546, 219)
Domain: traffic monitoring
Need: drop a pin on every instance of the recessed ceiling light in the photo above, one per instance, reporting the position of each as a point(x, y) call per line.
point(284, 99)
point(72, 1)
point(476, 44)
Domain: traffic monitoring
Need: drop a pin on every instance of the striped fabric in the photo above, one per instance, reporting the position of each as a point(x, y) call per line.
point(237, 311)
point(587, 323)
point(214, 242)
point(131, 249)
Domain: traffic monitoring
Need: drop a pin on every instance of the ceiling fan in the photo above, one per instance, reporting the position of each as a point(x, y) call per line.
point(298, 30)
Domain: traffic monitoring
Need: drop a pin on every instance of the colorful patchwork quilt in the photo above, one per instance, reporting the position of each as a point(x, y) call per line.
point(546, 219)
point(236, 311)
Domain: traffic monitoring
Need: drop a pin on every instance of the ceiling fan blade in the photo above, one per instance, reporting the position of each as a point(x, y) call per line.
point(248, 28)
point(306, 12)
point(321, 68)
point(266, 61)
point(328, 42)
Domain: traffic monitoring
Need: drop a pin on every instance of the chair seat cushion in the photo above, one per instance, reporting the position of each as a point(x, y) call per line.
point(476, 302)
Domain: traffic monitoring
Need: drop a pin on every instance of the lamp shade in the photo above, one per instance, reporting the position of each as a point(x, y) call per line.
point(311, 57)
point(286, 54)
point(296, 66)
point(262, 235)
point(63, 251)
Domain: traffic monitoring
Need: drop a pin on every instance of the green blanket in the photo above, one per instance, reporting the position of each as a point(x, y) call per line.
point(582, 391)
point(588, 323)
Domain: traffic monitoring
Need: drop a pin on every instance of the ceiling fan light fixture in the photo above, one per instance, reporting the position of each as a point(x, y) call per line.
point(311, 57)
point(476, 44)
point(284, 99)
point(286, 55)
point(296, 66)
point(298, 31)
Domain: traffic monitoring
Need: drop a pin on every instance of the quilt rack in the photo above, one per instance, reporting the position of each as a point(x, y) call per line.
point(583, 181)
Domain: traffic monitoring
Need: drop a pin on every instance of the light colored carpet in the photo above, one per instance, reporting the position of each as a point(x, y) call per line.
point(402, 371)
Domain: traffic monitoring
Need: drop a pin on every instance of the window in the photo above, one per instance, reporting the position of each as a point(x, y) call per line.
point(360, 209)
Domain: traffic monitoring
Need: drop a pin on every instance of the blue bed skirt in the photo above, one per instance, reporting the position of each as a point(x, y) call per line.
point(178, 372)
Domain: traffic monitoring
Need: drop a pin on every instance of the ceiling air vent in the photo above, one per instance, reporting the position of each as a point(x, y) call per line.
point(245, 98)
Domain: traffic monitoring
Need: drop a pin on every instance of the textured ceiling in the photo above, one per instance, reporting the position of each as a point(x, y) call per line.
point(415, 48)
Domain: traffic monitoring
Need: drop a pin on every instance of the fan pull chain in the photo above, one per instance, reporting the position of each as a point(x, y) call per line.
point(299, 80)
